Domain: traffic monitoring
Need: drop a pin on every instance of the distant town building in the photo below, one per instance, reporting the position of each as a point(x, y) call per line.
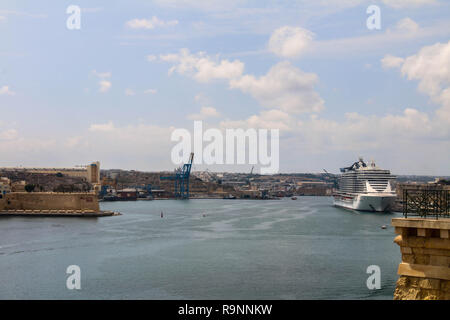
point(5, 186)
point(18, 186)
point(127, 194)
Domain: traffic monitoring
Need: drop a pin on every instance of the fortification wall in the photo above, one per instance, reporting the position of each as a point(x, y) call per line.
point(50, 201)
point(425, 267)
point(91, 172)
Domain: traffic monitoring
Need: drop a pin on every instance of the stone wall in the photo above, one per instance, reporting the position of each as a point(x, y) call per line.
point(425, 267)
point(50, 201)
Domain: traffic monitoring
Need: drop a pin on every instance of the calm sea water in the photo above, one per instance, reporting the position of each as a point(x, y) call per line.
point(201, 249)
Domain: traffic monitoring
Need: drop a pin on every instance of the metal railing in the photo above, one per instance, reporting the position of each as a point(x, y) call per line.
point(426, 203)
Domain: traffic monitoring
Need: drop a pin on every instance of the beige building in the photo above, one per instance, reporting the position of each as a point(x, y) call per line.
point(5, 185)
point(18, 186)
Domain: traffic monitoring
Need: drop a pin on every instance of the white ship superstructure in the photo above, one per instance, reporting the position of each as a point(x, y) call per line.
point(365, 187)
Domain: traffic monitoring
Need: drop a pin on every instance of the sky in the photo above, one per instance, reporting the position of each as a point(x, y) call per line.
point(116, 88)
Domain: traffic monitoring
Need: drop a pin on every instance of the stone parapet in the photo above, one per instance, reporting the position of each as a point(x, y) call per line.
point(425, 267)
point(50, 201)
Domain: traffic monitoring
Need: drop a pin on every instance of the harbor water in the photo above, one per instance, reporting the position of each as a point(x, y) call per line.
point(202, 249)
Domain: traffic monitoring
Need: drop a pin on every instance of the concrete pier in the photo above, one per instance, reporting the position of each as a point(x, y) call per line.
point(425, 268)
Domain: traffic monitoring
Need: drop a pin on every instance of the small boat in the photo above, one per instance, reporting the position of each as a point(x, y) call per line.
point(294, 198)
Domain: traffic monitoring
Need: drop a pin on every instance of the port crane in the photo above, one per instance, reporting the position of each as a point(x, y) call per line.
point(181, 179)
point(332, 178)
point(248, 178)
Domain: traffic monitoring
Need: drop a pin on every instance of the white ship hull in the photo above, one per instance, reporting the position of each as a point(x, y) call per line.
point(380, 202)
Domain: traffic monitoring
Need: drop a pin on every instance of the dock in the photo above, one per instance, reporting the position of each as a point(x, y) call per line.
point(57, 213)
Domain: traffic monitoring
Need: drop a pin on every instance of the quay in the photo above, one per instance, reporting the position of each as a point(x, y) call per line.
point(57, 213)
point(52, 204)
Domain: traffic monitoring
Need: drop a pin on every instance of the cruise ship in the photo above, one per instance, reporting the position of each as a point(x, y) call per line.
point(365, 187)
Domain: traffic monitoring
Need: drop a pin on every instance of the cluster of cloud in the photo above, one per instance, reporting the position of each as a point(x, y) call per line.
point(104, 84)
point(284, 87)
point(400, 4)
point(150, 91)
point(403, 32)
point(288, 91)
point(289, 42)
point(152, 23)
point(431, 67)
point(205, 113)
point(133, 144)
point(266, 119)
point(208, 5)
point(5, 90)
point(202, 67)
point(8, 134)
point(130, 92)
point(215, 5)
point(6, 13)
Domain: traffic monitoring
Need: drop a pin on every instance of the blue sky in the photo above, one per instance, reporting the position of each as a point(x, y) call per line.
point(105, 92)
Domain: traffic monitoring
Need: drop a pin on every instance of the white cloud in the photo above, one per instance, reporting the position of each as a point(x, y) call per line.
point(205, 113)
point(102, 127)
point(151, 58)
point(92, 10)
point(23, 13)
point(289, 41)
point(407, 25)
point(209, 5)
point(284, 87)
point(202, 67)
point(267, 119)
point(6, 91)
point(151, 91)
point(129, 92)
point(400, 4)
point(104, 86)
point(404, 31)
point(9, 134)
point(152, 23)
point(431, 67)
point(101, 75)
point(390, 61)
point(146, 146)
